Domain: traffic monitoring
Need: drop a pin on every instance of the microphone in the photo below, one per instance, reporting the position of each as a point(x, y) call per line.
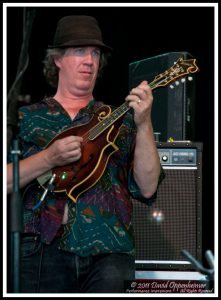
point(50, 188)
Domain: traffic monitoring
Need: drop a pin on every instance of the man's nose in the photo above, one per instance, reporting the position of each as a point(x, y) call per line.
point(89, 58)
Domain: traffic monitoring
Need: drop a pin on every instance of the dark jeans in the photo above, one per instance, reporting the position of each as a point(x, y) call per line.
point(46, 269)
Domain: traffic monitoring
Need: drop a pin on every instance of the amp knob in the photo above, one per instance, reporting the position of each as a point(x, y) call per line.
point(164, 158)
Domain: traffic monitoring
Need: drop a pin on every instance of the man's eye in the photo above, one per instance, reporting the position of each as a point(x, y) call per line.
point(96, 53)
point(80, 50)
point(84, 51)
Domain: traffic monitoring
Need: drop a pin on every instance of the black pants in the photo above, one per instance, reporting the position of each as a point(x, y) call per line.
point(46, 269)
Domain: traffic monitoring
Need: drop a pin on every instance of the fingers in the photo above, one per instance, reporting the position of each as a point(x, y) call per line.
point(70, 143)
point(64, 151)
point(141, 99)
point(69, 147)
point(138, 95)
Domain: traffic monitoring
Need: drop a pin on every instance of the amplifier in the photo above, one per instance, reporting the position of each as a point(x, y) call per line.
point(174, 222)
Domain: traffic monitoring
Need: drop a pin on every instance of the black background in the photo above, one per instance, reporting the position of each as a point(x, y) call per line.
point(134, 33)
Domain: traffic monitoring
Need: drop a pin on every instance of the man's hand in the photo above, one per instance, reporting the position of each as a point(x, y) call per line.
point(64, 151)
point(141, 99)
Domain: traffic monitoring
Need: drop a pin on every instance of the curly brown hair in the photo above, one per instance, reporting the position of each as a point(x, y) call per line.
point(50, 69)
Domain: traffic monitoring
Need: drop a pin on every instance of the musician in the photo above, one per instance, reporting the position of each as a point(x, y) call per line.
point(83, 243)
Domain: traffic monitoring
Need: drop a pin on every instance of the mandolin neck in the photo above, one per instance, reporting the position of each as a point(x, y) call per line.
point(113, 117)
point(178, 70)
point(108, 121)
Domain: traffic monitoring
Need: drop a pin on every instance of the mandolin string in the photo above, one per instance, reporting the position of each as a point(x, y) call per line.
point(112, 118)
point(100, 127)
point(118, 112)
point(104, 124)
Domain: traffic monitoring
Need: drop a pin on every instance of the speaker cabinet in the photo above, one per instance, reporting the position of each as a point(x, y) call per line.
point(173, 109)
point(173, 222)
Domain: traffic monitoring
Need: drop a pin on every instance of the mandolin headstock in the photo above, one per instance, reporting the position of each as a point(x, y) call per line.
point(180, 69)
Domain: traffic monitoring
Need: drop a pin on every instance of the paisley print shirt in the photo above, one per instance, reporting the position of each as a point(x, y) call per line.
point(100, 220)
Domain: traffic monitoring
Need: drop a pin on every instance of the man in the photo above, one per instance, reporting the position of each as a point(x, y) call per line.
point(84, 243)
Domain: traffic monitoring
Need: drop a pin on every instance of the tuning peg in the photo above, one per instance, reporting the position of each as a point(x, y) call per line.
point(183, 79)
point(172, 87)
point(177, 82)
point(190, 78)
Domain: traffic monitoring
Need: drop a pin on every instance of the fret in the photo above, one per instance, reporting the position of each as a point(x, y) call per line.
point(180, 69)
point(108, 121)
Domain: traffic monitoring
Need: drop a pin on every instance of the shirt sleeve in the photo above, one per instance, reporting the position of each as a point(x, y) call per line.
point(29, 140)
point(135, 190)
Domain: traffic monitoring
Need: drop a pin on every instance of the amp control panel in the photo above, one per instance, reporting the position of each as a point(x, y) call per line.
point(178, 156)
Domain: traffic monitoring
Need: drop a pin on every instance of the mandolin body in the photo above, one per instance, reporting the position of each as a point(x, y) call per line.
point(79, 176)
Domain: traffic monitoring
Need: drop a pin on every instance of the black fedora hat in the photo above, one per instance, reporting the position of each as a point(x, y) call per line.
point(78, 30)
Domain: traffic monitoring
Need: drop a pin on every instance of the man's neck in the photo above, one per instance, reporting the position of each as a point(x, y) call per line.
point(72, 100)
point(72, 104)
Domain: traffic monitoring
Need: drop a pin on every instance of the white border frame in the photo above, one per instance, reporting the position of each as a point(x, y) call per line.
point(5, 5)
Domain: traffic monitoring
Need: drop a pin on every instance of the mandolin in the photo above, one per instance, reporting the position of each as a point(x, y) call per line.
point(99, 136)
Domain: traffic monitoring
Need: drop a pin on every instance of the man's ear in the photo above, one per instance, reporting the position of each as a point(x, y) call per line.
point(57, 61)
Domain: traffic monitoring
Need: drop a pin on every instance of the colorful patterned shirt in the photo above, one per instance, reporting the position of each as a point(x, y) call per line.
point(100, 220)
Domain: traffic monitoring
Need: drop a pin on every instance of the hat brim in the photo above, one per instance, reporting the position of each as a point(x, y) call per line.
point(82, 42)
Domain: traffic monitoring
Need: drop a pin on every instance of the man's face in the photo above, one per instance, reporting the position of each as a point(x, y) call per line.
point(78, 69)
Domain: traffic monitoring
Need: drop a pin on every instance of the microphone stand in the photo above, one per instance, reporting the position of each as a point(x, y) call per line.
point(15, 202)
point(199, 267)
point(15, 222)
